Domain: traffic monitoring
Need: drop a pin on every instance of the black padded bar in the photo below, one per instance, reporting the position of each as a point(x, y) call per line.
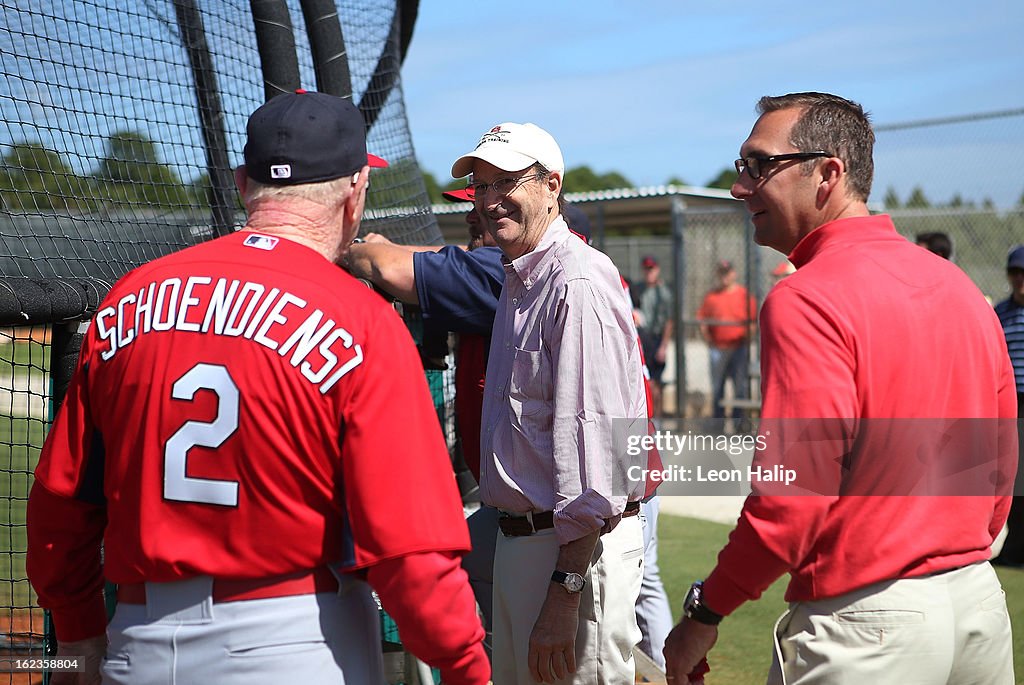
point(29, 301)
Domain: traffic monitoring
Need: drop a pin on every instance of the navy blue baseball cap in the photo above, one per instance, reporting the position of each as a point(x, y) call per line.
point(1015, 260)
point(306, 137)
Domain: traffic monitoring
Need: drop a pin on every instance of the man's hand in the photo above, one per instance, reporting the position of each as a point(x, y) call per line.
point(91, 652)
point(377, 238)
point(553, 640)
point(685, 646)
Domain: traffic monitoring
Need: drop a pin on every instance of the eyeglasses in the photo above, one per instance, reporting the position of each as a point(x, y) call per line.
point(755, 164)
point(502, 186)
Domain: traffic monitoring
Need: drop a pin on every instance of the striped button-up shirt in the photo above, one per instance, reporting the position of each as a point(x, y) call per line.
point(563, 380)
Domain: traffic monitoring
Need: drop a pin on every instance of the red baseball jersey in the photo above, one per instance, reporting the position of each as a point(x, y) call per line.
point(244, 408)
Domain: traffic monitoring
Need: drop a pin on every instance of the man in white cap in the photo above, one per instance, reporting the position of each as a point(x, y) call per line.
point(563, 368)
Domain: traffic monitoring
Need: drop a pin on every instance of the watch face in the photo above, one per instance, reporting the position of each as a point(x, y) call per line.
point(692, 599)
point(574, 582)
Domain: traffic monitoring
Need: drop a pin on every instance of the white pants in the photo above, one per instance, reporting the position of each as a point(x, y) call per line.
point(607, 630)
point(653, 613)
point(949, 628)
point(180, 637)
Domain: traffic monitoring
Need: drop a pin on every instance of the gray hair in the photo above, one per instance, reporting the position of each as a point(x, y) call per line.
point(323, 193)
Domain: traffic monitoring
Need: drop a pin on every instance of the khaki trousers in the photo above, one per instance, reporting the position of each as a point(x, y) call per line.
point(607, 630)
point(948, 628)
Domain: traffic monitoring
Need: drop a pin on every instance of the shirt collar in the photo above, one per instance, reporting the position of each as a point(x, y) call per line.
point(841, 233)
point(529, 267)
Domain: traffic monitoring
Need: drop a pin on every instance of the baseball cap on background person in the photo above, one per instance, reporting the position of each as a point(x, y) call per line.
point(512, 147)
point(460, 195)
point(784, 268)
point(306, 137)
point(723, 266)
point(578, 222)
point(649, 262)
point(1015, 259)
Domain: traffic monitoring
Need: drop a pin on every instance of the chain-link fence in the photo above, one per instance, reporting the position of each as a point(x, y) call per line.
point(940, 175)
point(950, 161)
point(980, 238)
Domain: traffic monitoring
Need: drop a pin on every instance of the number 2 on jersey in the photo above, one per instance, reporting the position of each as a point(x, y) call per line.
point(177, 485)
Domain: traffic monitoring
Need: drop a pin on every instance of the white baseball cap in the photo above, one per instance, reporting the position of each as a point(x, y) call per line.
point(512, 147)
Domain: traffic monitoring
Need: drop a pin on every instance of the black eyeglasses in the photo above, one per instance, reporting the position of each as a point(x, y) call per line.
point(755, 164)
point(502, 186)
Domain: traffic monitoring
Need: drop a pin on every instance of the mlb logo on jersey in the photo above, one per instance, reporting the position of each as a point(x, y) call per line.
point(263, 242)
point(280, 171)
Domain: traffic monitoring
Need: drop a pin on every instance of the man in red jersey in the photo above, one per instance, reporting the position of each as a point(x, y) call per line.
point(228, 438)
point(894, 587)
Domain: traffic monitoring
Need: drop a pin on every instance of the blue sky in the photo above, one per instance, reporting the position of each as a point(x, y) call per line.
point(661, 89)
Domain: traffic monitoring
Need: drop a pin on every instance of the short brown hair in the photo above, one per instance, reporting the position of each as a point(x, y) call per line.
point(836, 125)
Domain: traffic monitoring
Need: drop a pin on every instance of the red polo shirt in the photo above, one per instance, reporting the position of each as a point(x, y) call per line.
point(870, 328)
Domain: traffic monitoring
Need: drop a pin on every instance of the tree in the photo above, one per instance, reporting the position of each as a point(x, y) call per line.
point(725, 179)
point(1020, 200)
point(917, 199)
point(957, 201)
point(35, 178)
point(200, 193)
point(582, 179)
point(133, 172)
point(433, 188)
point(892, 200)
point(676, 181)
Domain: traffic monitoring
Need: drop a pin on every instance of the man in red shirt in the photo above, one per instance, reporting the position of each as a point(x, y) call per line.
point(726, 318)
point(229, 439)
point(894, 586)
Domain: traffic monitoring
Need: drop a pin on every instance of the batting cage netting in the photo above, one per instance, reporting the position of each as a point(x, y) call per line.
point(120, 125)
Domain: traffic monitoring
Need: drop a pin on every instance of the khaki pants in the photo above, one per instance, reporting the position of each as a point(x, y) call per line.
point(607, 630)
point(949, 628)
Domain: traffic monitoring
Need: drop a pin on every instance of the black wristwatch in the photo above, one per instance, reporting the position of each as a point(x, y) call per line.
point(695, 609)
point(572, 582)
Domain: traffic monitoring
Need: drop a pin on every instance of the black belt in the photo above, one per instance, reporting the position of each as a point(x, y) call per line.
point(513, 526)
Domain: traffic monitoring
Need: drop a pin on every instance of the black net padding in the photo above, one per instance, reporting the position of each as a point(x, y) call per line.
point(30, 301)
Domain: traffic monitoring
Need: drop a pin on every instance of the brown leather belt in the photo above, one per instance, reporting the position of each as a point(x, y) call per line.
point(224, 590)
point(513, 526)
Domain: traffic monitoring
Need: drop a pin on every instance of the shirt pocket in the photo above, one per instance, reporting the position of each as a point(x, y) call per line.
point(530, 385)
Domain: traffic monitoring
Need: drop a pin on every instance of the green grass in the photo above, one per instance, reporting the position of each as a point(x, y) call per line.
point(687, 550)
point(20, 440)
point(1013, 584)
point(22, 353)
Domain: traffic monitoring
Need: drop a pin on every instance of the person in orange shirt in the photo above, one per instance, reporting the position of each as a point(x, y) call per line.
point(785, 268)
point(726, 320)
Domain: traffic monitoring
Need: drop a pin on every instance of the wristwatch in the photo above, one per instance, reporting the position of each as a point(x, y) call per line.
point(572, 582)
point(694, 607)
